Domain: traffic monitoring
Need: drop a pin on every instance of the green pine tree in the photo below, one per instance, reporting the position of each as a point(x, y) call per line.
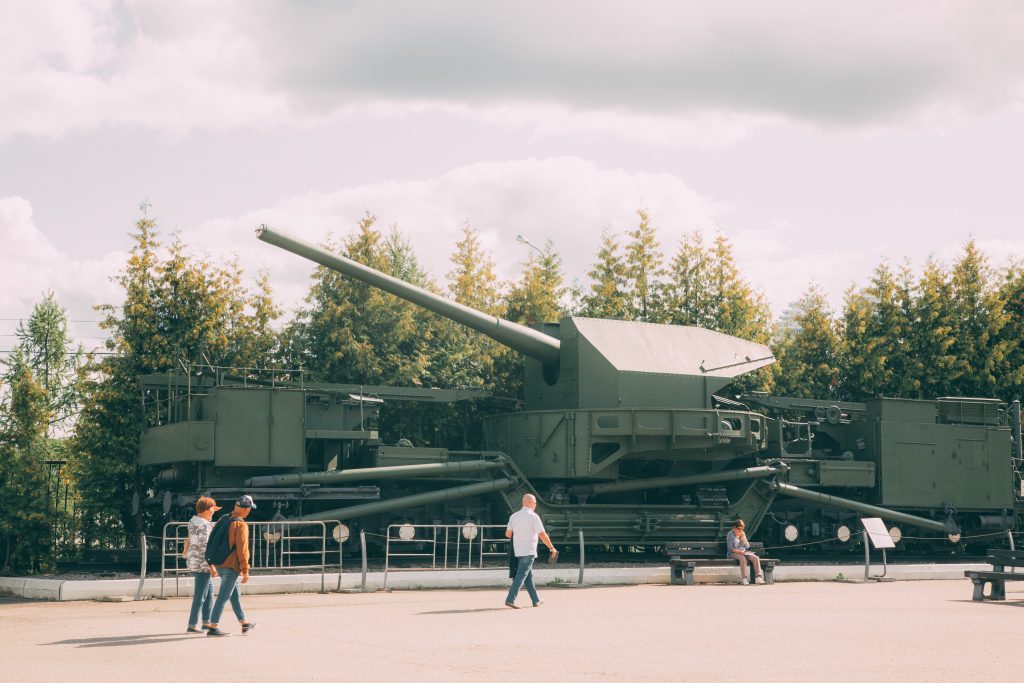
point(26, 542)
point(177, 311)
point(53, 357)
point(807, 348)
point(932, 334)
point(606, 296)
point(979, 347)
point(689, 297)
point(1011, 296)
point(876, 335)
point(644, 273)
point(535, 299)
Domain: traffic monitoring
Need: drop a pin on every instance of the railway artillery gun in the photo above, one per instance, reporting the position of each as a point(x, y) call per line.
point(623, 435)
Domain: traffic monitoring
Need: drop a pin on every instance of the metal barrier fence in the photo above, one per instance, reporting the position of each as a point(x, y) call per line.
point(272, 545)
point(445, 546)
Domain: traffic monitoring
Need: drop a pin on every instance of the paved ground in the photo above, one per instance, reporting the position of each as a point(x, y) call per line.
point(914, 630)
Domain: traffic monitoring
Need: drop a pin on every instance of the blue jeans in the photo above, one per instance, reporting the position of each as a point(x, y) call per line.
point(524, 574)
point(202, 597)
point(228, 589)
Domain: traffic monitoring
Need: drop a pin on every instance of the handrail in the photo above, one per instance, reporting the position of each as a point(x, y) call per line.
point(275, 547)
point(448, 544)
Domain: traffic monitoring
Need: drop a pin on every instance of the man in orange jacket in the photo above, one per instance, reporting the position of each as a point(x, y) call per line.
point(234, 569)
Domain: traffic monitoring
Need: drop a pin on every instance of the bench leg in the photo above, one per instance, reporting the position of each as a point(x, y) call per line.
point(676, 576)
point(998, 590)
point(769, 574)
point(688, 576)
point(979, 590)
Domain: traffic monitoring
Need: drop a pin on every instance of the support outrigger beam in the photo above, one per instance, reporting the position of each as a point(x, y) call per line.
point(948, 527)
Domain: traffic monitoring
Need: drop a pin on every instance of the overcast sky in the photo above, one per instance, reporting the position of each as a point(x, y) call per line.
point(820, 139)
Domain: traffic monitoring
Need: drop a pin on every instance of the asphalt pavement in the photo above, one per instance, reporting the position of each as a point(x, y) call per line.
point(821, 631)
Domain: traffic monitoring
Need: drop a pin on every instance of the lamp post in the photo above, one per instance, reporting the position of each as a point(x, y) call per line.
point(523, 240)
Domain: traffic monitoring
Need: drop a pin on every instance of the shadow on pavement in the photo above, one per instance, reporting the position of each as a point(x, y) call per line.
point(1010, 602)
point(118, 641)
point(465, 611)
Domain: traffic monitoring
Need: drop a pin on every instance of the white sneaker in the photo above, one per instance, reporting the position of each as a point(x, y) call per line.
point(745, 581)
point(759, 579)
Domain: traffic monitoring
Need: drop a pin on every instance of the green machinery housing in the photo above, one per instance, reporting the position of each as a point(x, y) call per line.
point(210, 429)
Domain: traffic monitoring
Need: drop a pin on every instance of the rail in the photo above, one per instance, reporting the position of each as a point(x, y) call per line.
point(452, 546)
point(276, 545)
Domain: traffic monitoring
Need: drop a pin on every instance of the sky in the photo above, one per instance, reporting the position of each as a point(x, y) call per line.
point(820, 139)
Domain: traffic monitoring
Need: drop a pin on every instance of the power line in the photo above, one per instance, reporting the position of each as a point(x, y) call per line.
point(15, 320)
point(95, 353)
point(76, 336)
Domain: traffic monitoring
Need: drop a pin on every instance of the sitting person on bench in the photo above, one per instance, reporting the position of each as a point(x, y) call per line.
point(738, 548)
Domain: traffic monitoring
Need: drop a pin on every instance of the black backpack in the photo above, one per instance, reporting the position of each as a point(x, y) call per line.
point(218, 547)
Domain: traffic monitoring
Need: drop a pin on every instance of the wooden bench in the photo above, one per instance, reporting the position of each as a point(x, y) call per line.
point(685, 556)
point(1000, 560)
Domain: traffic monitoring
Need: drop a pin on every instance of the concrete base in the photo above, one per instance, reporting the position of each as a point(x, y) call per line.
point(61, 590)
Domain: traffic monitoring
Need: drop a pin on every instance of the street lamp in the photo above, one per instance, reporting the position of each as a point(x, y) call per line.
point(523, 240)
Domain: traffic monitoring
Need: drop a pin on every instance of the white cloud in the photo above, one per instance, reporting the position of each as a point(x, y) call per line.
point(31, 265)
point(630, 70)
point(114, 70)
point(566, 198)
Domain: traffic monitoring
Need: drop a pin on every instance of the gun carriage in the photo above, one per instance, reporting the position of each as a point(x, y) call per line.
point(625, 432)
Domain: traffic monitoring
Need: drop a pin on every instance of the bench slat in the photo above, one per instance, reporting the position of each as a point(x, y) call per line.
point(1006, 557)
point(999, 576)
point(704, 549)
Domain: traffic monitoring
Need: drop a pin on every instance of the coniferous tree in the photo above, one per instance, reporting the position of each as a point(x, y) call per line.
point(256, 342)
point(468, 356)
point(979, 347)
point(25, 521)
point(353, 333)
point(807, 349)
point(607, 297)
point(932, 334)
point(689, 298)
point(857, 368)
point(45, 367)
point(1011, 295)
point(907, 366)
point(464, 357)
point(876, 334)
point(535, 299)
point(105, 442)
point(644, 273)
point(706, 289)
point(537, 296)
point(742, 311)
point(53, 358)
point(177, 311)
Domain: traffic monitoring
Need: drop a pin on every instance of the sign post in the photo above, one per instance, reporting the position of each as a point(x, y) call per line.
point(874, 529)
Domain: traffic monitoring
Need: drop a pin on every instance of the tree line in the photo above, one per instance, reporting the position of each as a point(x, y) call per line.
point(71, 421)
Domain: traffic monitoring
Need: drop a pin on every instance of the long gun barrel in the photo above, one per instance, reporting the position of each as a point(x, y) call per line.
point(381, 506)
point(689, 480)
point(530, 342)
point(433, 469)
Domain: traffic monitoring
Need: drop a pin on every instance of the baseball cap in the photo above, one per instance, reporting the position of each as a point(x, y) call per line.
point(246, 502)
point(206, 503)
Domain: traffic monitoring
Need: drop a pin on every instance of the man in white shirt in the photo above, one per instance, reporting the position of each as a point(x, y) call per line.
point(525, 528)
